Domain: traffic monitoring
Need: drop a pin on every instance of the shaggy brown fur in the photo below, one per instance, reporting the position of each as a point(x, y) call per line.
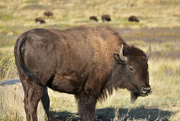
point(83, 61)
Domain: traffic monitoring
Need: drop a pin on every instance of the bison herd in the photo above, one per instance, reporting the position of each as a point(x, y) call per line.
point(104, 18)
point(41, 20)
point(107, 18)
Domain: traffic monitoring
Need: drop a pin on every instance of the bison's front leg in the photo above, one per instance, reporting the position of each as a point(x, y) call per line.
point(86, 106)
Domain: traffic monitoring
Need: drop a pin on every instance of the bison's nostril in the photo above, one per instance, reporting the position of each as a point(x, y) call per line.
point(146, 90)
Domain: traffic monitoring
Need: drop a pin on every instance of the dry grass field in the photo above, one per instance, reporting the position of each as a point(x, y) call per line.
point(159, 27)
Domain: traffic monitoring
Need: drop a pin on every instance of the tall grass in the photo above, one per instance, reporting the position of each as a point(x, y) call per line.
point(11, 117)
point(7, 65)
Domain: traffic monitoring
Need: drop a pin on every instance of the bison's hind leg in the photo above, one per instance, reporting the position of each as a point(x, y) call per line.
point(33, 93)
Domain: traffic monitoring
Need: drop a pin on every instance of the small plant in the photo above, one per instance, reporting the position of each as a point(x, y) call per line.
point(7, 66)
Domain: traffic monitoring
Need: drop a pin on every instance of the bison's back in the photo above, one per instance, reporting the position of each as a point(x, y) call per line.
point(89, 43)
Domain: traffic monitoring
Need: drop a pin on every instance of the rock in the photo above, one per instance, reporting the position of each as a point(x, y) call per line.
point(11, 101)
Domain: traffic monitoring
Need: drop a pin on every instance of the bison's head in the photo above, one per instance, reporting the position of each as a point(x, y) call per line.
point(132, 71)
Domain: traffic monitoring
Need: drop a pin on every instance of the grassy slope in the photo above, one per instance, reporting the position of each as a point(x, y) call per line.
point(17, 16)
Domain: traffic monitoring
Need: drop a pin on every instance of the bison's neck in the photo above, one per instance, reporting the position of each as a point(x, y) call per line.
point(114, 81)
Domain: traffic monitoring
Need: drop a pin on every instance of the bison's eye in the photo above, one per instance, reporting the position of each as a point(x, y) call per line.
point(131, 68)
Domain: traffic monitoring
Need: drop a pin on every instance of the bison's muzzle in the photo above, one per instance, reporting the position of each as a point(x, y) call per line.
point(145, 91)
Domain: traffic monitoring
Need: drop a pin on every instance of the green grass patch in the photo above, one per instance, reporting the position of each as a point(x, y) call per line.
point(7, 65)
point(2, 26)
point(31, 1)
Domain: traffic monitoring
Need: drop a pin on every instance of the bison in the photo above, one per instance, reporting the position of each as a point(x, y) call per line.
point(106, 18)
point(93, 18)
point(133, 19)
point(89, 62)
point(40, 20)
point(48, 13)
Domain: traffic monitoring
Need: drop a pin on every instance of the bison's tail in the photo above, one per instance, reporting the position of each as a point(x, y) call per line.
point(18, 52)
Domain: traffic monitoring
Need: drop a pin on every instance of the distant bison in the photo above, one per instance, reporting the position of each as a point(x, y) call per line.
point(93, 18)
point(48, 13)
point(89, 62)
point(133, 19)
point(106, 18)
point(40, 20)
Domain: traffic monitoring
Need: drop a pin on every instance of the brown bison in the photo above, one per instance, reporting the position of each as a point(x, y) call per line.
point(133, 19)
point(106, 18)
point(88, 62)
point(48, 14)
point(40, 20)
point(93, 18)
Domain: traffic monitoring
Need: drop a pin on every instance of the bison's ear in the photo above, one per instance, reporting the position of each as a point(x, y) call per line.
point(118, 60)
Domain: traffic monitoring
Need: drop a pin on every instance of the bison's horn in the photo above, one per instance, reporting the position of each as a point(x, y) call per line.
point(122, 57)
point(149, 52)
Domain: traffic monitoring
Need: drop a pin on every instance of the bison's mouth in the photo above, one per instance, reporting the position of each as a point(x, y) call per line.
point(144, 91)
